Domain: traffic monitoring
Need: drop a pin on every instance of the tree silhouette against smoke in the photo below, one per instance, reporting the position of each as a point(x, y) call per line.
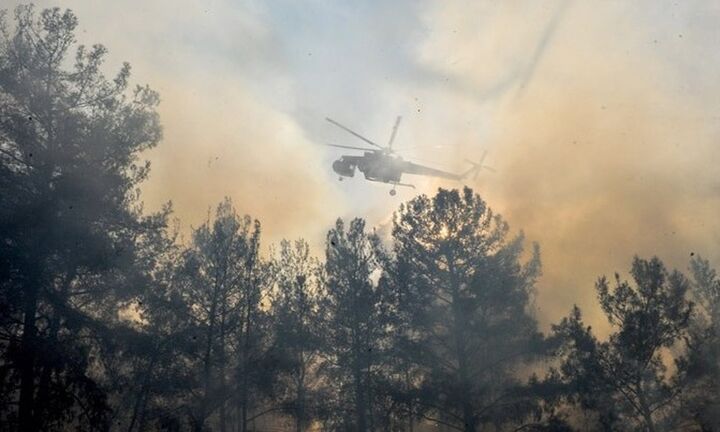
point(70, 222)
point(625, 377)
point(699, 370)
point(298, 331)
point(356, 327)
point(466, 293)
point(223, 281)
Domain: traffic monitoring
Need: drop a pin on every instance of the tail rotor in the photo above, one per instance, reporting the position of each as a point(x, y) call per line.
point(476, 167)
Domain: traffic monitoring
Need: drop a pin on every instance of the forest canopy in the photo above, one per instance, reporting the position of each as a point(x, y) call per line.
point(108, 322)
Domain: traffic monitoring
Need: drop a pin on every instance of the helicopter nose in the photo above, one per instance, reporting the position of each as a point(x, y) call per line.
point(336, 165)
point(343, 168)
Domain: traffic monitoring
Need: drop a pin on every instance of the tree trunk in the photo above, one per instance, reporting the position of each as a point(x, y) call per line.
point(645, 411)
point(27, 361)
point(411, 426)
point(468, 418)
point(221, 353)
point(244, 362)
point(198, 424)
point(42, 401)
point(207, 372)
point(141, 400)
point(458, 328)
point(300, 413)
point(368, 387)
point(360, 409)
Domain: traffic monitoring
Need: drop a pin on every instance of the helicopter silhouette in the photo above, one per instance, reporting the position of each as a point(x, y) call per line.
point(383, 164)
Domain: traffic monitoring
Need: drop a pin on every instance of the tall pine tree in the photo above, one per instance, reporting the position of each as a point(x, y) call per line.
point(70, 222)
point(465, 293)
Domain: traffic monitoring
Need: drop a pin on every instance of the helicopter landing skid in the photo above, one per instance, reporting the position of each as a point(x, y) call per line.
point(393, 191)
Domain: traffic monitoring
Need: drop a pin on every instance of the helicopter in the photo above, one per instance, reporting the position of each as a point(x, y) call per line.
point(383, 164)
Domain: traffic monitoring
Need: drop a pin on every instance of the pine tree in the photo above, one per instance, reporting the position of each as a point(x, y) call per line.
point(465, 295)
point(356, 326)
point(699, 369)
point(297, 330)
point(625, 378)
point(70, 221)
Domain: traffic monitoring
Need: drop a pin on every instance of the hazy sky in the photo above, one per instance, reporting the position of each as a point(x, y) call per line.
point(601, 118)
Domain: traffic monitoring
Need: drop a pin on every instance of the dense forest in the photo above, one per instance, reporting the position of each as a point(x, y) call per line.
point(109, 322)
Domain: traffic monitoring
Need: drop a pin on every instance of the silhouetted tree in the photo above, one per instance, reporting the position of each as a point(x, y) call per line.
point(356, 327)
point(144, 372)
point(221, 282)
point(583, 374)
point(699, 370)
point(465, 294)
point(255, 366)
point(70, 222)
point(297, 330)
point(625, 378)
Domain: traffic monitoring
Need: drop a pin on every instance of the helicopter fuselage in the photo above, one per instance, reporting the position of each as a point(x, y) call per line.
point(375, 166)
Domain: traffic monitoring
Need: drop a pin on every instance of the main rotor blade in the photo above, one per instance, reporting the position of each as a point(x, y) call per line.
point(482, 158)
point(421, 147)
point(351, 147)
point(394, 132)
point(352, 132)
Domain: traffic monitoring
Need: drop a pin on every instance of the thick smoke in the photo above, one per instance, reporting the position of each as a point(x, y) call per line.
point(224, 143)
point(611, 148)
